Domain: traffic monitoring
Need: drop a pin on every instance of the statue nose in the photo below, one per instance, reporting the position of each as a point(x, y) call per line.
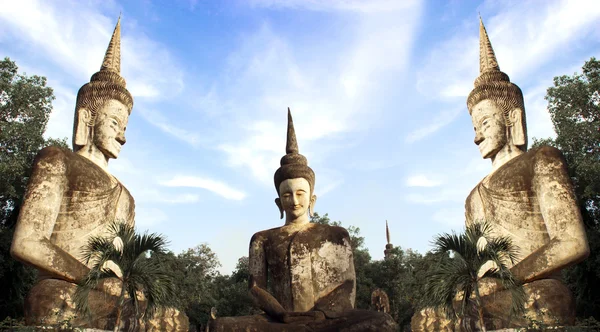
point(478, 138)
point(121, 139)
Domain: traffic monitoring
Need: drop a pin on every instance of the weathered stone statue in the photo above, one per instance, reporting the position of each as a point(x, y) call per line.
point(309, 266)
point(528, 197)
point(72, 197)
point(380, 301)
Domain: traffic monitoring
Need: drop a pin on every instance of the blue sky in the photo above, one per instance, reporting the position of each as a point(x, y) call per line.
point(377, 90)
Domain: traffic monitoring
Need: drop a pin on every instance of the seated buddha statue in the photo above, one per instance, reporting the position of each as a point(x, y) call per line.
point(528, 197)
point(309, 266)
point(72, 197)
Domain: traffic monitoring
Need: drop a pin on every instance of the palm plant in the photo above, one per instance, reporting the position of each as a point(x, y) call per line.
point(141, 277)
point(457, 278)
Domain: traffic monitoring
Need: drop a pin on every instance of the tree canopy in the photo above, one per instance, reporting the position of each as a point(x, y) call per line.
point(25, 106)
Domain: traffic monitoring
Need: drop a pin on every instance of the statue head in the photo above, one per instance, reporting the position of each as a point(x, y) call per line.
point(496, 105)
point(103, 105)
point(294, 180)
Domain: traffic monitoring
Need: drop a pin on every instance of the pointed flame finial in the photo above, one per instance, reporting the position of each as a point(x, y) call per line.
point(387, 232)
point(112, 58)
point(292, 144)
point(487, 58)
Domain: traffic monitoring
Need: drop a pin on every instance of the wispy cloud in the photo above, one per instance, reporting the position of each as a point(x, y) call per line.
point(421, 180)
point(272, 74)
point(438, 122)
point(454, 217)
point(158, 120)
point(525, 38)
point(214, 186)
point(149, 217)
point(371, 6)
point(73, 36)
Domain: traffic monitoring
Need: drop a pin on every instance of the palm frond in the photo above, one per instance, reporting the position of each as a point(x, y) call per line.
point(455, 243)
point(157, 285)
point(89, 283)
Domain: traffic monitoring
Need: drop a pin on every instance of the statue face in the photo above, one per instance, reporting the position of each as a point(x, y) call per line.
point(490, 128)
point(109, 129)
point(295, 196)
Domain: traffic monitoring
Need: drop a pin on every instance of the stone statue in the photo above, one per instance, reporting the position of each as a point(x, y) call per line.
point(528, 197)
point(380, 301)
point(309, 266)
point(72, 197)
point(389, 247)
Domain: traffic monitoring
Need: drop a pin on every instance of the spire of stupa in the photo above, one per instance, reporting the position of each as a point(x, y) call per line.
point(112, 58)
point(487, 57)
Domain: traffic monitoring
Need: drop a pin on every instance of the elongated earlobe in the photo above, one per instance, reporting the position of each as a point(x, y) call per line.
point(311, 206)
point(83, 129)
point(518, 130)
point(278, 203)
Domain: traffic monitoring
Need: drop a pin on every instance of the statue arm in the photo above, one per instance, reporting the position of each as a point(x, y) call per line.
point(568, 242)
point(41, 205)
point(342, 297)
point(257, 264)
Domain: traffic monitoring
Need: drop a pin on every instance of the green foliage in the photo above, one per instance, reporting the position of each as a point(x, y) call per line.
point(128, 250)
point(574, 106)
point(25, 105)
point(461, 274)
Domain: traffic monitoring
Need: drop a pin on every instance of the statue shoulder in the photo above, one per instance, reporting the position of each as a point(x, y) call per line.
point(546, 154)
point(262, 235)
point(335, 233)
point(52, 158)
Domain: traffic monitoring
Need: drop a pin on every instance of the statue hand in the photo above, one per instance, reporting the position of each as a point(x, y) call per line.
point(111, 286)
point(303, 317)
point(488, 286)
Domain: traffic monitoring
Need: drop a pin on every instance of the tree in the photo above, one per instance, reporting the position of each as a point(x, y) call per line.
point(25, 105)
point(138, 274)
point(194, 272)
point(574, 107)
point(473, 251)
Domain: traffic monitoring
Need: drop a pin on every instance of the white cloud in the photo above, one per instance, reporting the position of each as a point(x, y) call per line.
point(421, 180)
point(68, 39)
point(438, 122)
point(149, 195)
point(149, 216)
point(161, 122)
point(371, 6)
point(525, 37)
point(454, 217)
point(269, 74)
point(214, 186)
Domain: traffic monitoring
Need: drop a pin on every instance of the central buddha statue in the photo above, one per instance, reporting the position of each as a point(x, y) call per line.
point(529, 198)
point(309, 266)
point(72, 197)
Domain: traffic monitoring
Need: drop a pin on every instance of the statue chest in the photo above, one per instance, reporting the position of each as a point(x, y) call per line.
point(306, 266)
point(87, 207)
point(511, 205)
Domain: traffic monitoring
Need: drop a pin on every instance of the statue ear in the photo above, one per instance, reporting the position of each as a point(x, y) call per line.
point(311, 205)
point(518, 130)
point(278, 203)
point(82, 130)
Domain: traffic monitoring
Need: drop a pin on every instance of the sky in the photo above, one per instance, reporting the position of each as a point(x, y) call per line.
point(377, 90)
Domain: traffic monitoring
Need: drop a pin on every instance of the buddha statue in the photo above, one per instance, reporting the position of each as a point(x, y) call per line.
point(309, 266)
point(528, 197)
point(72, 197)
